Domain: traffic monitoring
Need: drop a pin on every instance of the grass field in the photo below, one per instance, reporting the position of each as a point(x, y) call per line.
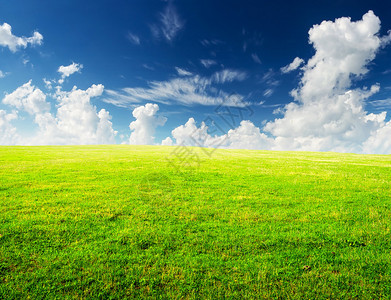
point(120, 221)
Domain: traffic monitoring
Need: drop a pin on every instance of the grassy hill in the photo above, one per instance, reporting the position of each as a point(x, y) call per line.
point(144, 221)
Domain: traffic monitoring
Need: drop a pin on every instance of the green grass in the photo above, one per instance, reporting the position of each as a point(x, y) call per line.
point(120, 222)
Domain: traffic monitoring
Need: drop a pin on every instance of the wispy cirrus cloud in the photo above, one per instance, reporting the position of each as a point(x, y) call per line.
point(256, 58)
point(170, 24)
point(381, 104)
point(133, 38)
point(268, 92)
point(208, 62)
point(269, 78)
point(251, 39)
point(148, 67)
point(183, 72)
point(228, 75)
point(186, 90)
point(211, 42)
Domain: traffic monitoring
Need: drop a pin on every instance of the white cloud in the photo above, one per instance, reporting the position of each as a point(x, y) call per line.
point(268, 92)
point(78, 120)
point(228, 75)
point(381, 104)
point(191, 135)
point(208, 62)
point(8, 133)
point(256, 58)
point(343, 49)
point(183, 72)
point(2, 74)
point(328, 115)
point(187, 90)
point(167, 142)
point(295, 64)
point(134, 39)
point(245, 136)
point(75, 122)
point(28, 98)
point(170, 24)
point(7, 39)
point(385, 40)
point(67, 71)
point(105, 134)
point(269, 78)
point(380, 140)
point(48, 83)
point(143, 129)
point(148, 67)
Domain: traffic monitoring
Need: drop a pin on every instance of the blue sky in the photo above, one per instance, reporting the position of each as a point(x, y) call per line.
point(167, 66)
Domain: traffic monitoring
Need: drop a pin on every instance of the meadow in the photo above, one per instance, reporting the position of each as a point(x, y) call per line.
point(112, 222)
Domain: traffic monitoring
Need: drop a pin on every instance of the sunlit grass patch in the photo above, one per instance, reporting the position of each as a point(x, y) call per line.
point(120, 221)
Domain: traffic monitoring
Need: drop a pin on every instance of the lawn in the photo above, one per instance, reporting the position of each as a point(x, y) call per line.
point(145, 222)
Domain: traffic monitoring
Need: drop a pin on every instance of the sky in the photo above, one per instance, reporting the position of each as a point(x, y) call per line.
point(274, 75)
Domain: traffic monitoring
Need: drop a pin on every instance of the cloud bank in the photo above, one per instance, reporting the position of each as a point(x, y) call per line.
point(76, 120)
point(327, 114)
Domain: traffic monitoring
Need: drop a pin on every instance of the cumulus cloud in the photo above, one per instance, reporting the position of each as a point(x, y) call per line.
point(187, 90)
point(2, 74)
point(48, 83)
point(7, 39)
point(245, 136)
point(328, 115)
point(67, 71)
point(8, 133)
point(380, 140)
point(143, 128)
point(76, 120)
point(167, 142)
point(191, 135)
point(295, 64)
point(28, 98)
